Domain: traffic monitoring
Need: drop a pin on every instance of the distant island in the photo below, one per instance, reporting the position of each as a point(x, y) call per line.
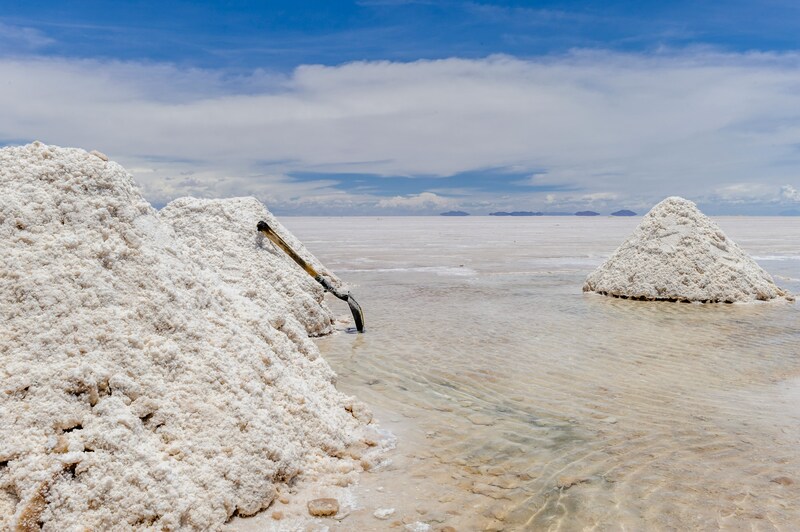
point(454, 213)
point(515, 213)
point(587, 213)
point(791, 212)
point(624, 212)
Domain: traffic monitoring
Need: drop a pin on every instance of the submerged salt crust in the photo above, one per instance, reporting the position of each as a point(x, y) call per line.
point(677, 253)
point(139, 388)
point(592, 413)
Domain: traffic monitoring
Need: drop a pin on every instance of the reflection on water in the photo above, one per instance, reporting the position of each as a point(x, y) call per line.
point(522, 403)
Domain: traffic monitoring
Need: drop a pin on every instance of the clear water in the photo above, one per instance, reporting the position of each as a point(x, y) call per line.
point(521, 403)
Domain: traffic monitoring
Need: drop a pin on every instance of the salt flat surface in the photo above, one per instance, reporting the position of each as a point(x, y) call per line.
point(522, 403)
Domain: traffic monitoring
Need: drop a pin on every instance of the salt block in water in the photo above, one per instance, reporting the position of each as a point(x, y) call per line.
point(323, 507)
point(678, 254)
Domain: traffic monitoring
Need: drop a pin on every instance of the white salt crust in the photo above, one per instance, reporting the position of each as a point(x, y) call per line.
point(221, 234)
point(138, 389)
point(677, 253)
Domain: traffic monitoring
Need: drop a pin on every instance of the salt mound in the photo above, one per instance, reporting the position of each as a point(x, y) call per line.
point(678, 254)
point(221, 233)
point(138, 390)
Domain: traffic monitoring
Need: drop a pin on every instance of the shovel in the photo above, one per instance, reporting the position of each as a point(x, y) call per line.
point(355, 308)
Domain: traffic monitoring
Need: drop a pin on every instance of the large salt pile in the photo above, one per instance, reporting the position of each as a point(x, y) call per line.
point(678, 254)
point(137, 389)
point(221, 234)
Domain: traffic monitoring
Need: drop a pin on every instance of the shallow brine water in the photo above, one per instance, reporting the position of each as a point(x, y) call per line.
point(521, 403)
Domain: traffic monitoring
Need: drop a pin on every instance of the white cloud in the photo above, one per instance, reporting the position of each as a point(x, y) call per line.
point(790, 193)
point(743, 193)
point(417, 202)
point(21, 38)
point(601, 123)
point(599, 197)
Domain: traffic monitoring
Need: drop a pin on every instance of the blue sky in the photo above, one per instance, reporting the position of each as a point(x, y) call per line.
point(413, 107)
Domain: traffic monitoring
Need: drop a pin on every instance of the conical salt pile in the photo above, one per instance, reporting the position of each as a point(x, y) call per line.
point(138, 390)
point(678, 254)
point(220, 233)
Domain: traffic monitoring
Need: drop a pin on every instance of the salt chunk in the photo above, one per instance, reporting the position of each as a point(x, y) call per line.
point(323, 507)
point(383, 513)
point(99, 155)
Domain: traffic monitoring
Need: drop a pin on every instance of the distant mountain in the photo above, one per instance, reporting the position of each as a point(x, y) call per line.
point(557, 214)
point(515, 213)
point(624, 212)
point(454, 213)
point(792, 212)
point(587, 213)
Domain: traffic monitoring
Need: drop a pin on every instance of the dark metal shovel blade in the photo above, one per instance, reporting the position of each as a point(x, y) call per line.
point(355, 308)
point(358, 315)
